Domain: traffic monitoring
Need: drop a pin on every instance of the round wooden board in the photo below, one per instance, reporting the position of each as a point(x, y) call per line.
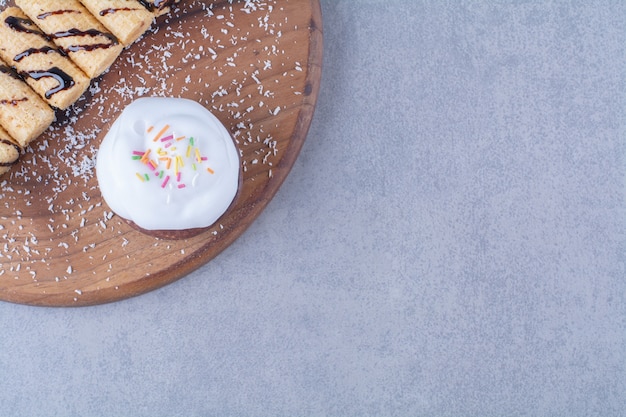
point(255, 65)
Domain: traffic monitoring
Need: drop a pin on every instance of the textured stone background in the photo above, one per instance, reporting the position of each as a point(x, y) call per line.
point(451, 242)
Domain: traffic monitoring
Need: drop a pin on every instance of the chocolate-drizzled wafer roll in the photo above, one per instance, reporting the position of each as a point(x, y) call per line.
point(126, 19)
point(22, 112)
point(27, 49)
point(9, 151)
point(76, 32)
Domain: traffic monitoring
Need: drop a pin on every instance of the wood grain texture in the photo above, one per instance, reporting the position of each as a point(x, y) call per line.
point(257, 68)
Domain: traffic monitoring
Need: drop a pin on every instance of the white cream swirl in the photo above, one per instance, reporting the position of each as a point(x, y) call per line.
point(168, 164)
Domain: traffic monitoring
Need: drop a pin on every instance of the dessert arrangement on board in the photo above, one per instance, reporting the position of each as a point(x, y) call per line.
point(50, 50)
point(254, 64)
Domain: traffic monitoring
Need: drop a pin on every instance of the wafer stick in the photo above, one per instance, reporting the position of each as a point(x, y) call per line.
point(26, 48)
point(76, 32)
point(22, 112)
point(9, 151)
point(126, 19)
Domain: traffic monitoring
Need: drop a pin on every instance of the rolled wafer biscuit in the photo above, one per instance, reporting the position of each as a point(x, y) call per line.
point(22, 112)
point(26, 48)
point(76, 32)
point(9, 151)
point(126, 19)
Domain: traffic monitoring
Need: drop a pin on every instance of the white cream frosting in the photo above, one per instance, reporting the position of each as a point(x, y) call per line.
point(168, 164)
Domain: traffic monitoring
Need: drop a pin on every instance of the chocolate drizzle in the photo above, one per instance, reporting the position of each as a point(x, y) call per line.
point(55, 12)
point(65, 81)
point(19, 24)
point(88, 47)
point(29, 52)
point(13, 102)
point(147, 5)
point(27, 26)
point(17, 148)
point(105, 12)
point(90, 32)
point(6, 70)
point(156, 4)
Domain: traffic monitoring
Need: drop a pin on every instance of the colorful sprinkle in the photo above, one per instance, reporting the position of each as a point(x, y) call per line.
point(158, 136)
point(144, 157)
point(168, 163)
